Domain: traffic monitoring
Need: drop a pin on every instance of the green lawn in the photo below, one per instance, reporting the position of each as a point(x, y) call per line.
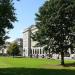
point(28, 66)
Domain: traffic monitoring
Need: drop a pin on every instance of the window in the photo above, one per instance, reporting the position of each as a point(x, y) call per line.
point(24, 50)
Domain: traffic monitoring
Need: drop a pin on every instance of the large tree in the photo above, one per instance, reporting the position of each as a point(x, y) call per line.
point(7, 18)
point(55, 23)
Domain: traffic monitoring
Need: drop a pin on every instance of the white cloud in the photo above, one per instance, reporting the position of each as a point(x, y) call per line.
point(10, 40)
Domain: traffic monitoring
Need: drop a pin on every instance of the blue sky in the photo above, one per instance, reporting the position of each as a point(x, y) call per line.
point(25, 13)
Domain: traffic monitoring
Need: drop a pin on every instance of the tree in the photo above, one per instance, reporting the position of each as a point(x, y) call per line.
point(7, 18)
point(56, 25)
point(13, 49)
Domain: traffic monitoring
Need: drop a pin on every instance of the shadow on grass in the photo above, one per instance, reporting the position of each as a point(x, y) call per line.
point(34, 71)
point(70, 65)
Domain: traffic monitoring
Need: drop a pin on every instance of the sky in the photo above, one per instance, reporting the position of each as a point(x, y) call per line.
point(25, 13)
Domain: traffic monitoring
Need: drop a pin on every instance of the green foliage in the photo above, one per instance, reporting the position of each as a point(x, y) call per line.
point(7, 18)
point(56, 24)
point(13, 49)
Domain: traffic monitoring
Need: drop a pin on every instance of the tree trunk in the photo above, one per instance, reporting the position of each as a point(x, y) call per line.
point(62, 58)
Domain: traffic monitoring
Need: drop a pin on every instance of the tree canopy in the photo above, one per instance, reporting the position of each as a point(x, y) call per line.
point(7, 18)
point(55, 22)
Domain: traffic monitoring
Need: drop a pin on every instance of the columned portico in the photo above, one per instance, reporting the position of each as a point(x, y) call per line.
point(29, 45)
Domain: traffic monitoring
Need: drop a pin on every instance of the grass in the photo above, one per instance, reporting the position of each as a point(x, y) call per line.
point(33, 66)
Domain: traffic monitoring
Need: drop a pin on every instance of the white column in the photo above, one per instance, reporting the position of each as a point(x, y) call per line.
point(34, 51)
point(39, 50)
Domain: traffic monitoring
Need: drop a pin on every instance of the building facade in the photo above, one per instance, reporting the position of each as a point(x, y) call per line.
point(29, 47)
point(3, 48)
